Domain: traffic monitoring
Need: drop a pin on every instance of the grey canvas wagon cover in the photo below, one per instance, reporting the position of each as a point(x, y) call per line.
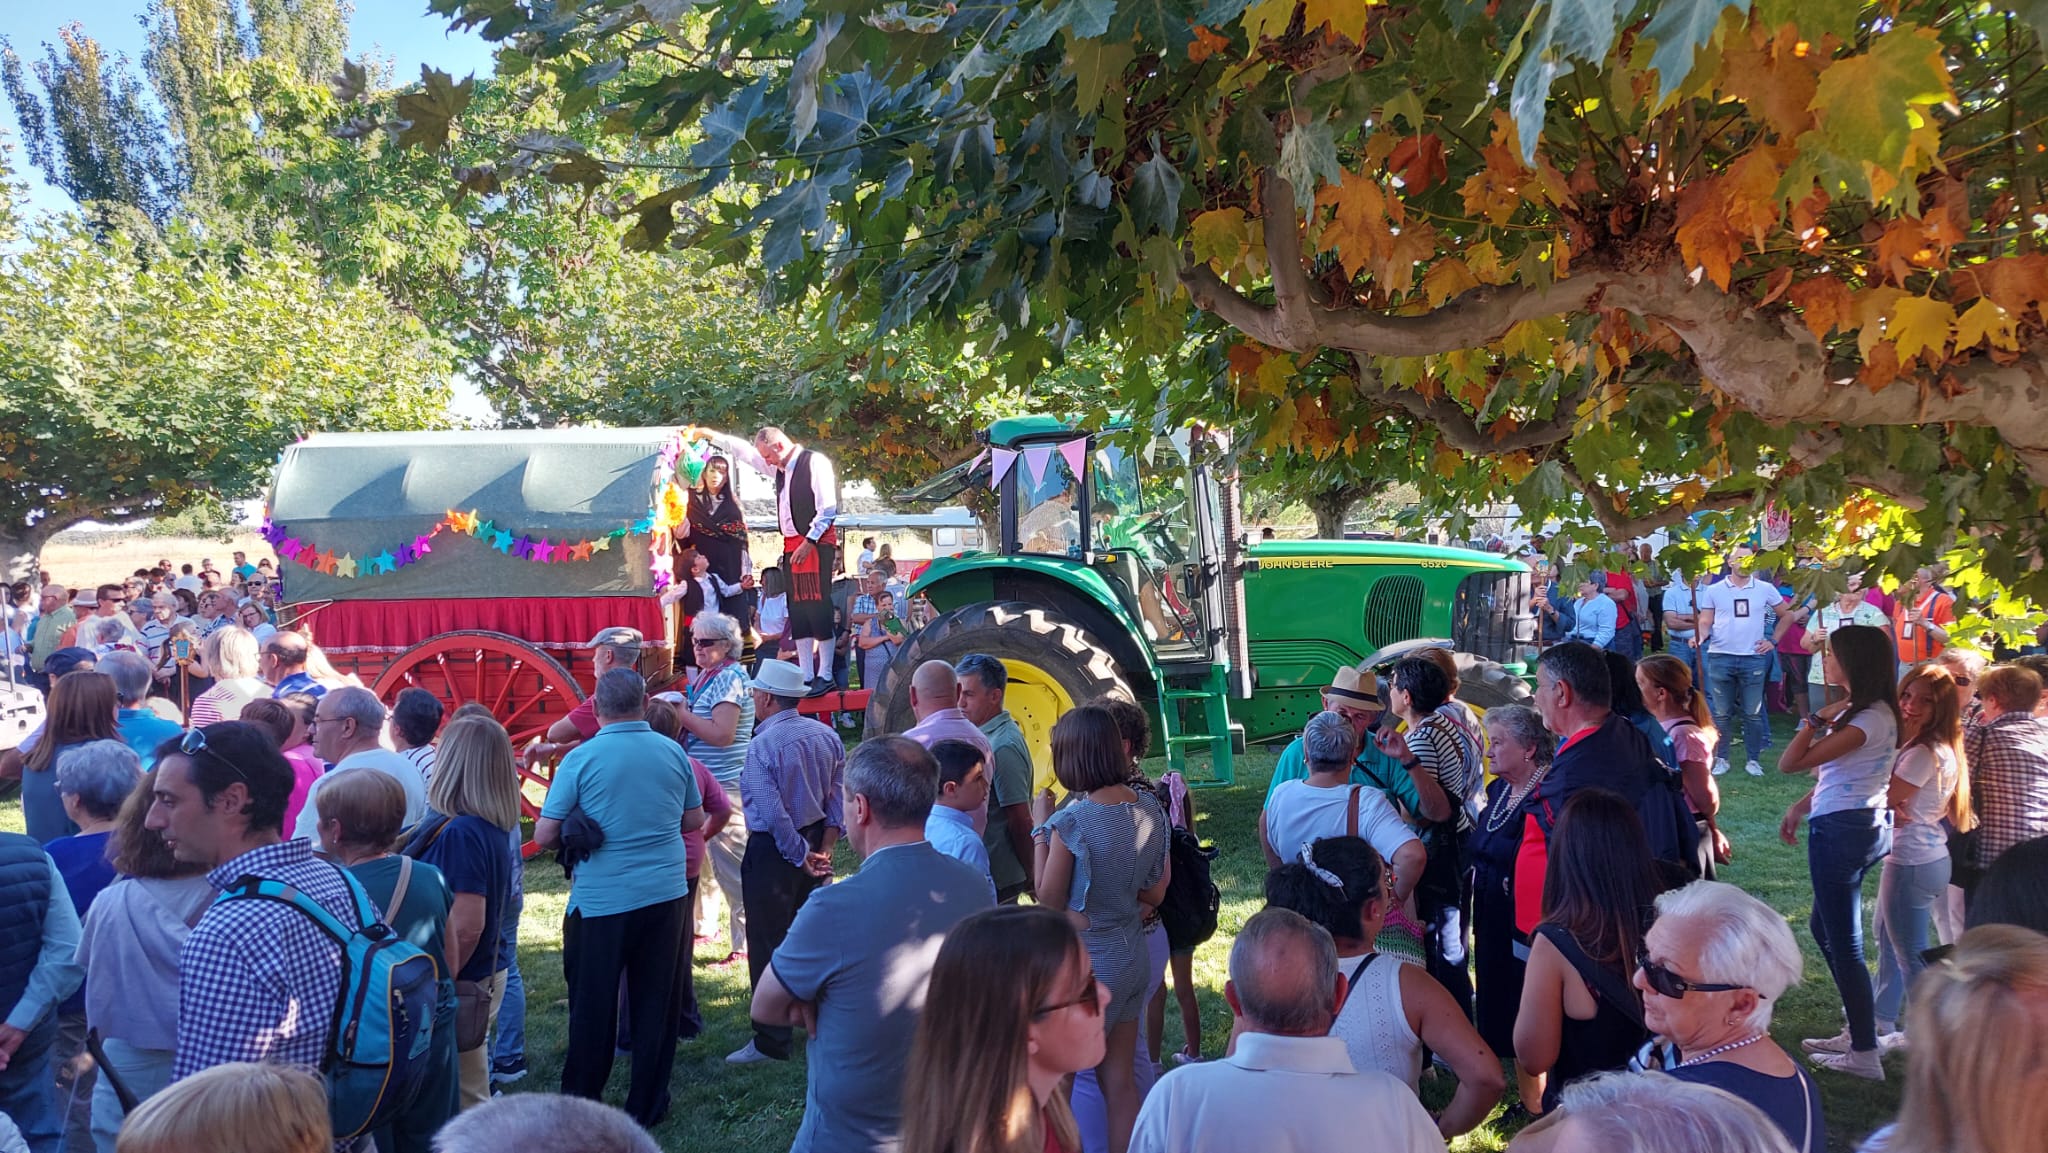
point(363, 493)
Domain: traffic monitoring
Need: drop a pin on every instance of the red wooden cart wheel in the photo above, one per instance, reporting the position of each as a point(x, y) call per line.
point(524, 687)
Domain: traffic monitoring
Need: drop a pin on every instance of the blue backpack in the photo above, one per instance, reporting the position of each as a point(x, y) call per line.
point(377, 1047)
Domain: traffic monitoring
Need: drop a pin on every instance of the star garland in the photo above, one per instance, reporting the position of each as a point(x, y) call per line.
point(523, 546)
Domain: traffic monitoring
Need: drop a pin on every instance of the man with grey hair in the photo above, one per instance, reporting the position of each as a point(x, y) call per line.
point(543, 1123)
point(982, 682)
point(1328, 804)
point(348, 728)
point(617, 647)
point(789, 791)
point(628, 900)
point(283, 665)
point(1288, 1085)
point(135, 723)
point(855, 964)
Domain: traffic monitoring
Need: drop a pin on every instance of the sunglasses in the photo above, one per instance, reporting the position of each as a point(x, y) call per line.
point(1666, 983)
point(194, 743)
point(1089, 998)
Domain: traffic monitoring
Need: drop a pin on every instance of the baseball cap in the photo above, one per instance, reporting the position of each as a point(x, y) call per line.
point(616, 635)
point(66, 661)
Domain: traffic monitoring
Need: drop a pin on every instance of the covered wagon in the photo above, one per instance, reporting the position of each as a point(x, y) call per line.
point(479, 564)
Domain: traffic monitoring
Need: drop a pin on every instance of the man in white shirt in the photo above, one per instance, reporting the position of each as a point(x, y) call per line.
point(1301, 812)
point(807, 507)
point(1735, 653)
point(1288, 1087)
point(347, 725)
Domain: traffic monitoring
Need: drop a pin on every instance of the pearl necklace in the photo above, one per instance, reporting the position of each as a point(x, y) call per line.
point(1720, 1049)
point(1513, 800)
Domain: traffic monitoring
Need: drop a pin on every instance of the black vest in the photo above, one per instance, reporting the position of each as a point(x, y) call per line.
point(24, 899)
point(803, 499)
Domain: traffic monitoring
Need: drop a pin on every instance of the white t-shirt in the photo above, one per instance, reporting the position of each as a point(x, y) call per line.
point(396, 765)
point(1830, 617)
point(1918, 837)
point(1858, 779)
point(1299, 813)
point(1738, 615)
point(774, 614)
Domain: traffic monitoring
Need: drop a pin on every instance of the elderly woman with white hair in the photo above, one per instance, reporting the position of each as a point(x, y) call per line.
point(1628, 1113)
point(1714, 965)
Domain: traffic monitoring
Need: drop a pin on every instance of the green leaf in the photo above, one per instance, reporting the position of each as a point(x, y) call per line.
point(1155, 194)
point(1585, 29)
point(1871, 103)
point(1680, 28)
point(1094, 64)
point(1308, 158)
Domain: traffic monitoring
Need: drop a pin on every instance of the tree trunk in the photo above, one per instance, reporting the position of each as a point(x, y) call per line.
point(20, 552)
point(1331, 505)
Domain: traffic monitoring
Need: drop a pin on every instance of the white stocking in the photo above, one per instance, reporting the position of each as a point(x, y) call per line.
point(807, 657)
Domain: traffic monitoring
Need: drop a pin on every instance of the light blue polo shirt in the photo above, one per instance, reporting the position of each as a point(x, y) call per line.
point(636, 785)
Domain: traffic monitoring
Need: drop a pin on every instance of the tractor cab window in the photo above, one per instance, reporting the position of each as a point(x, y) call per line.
point(1048, 507)
point(1146, 525)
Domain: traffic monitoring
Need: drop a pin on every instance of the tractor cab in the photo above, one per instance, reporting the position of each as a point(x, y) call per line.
point(1142, 559)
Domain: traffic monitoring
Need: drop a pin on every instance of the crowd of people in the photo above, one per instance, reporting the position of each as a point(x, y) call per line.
point(1522, 897)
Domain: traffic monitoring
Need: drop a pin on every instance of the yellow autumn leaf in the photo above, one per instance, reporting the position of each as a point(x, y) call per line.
point(1985, 320)
point(1274, 375)
point(1345, 17)
point(1483, 259)
point(1920, 323)
point(1267, 18)
point(1447, 278)
point(1516, 466)
point(1447, 462)
point(1220, 235)
point(1688, 493)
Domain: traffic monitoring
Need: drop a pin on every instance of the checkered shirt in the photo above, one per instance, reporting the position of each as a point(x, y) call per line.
point(2008, 782)
point(259, 979)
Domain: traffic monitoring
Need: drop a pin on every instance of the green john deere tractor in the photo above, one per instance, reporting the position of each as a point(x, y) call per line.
point(1115, 580)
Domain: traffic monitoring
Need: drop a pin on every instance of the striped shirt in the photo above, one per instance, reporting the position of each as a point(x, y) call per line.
point(706, 693)
point(792, 777)
point(259, 979)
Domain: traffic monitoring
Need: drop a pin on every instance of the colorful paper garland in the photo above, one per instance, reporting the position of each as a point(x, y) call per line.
point(522, 546)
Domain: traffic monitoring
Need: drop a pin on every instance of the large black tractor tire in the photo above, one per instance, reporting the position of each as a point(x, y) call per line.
point(1065, 652)
point(1485, 684)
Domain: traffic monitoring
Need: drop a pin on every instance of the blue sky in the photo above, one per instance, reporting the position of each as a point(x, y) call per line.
point(401, 31)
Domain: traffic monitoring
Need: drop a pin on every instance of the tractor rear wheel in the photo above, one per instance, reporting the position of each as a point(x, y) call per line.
point(1054, 664)
point(1485, 684)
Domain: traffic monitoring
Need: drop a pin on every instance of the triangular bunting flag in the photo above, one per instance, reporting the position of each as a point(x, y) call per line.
point(1001, 460)
point(1035, 460)
point(1075, 453)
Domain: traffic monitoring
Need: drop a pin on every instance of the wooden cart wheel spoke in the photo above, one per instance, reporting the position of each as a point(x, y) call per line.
point(526, 689)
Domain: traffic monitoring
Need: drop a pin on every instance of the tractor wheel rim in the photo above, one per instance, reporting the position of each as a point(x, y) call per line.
point(1035, 699)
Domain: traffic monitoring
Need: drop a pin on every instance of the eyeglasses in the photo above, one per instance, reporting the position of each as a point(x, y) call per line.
point(701, 643)
point(194, 743)
point(1089, 997)
point(1666, 983)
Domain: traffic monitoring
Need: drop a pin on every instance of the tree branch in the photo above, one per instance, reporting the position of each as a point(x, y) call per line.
point(1774, 368)
point(1297, 322)
point(1817, 446)
point(1622, 525)
point(1460, 430)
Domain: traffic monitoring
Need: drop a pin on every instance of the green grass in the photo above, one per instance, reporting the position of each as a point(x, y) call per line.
point(755, 1109)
